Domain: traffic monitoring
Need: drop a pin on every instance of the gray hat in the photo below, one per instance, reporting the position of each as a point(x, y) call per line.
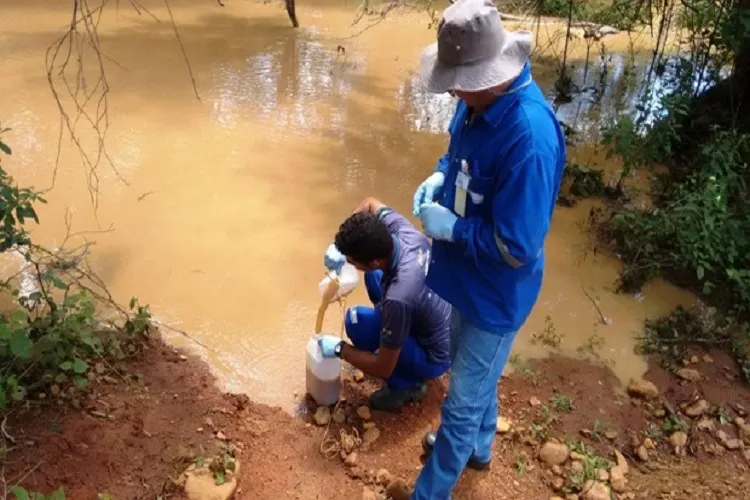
point(473, 52)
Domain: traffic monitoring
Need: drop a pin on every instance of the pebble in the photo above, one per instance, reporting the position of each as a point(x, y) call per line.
point(534, 402)
point(617, 479)
point(364, 413)
point(558, 483)
point(371, 435)
point(689, 374)
point(706, 425)
point(611, 435)
point(558, 471)
point(729, 443)
point(678, 440)
point(383, 477)
point(594, 490)
point(351, 459)
point(398, 490)
point(577, 468)
point(554, 453)
point(503, 425)
point(648, 443)
point(358, 376)
point(576, 456)
point(642, 453)
point(368, 425)
point(660, 413)
point(697, 409)
point(339, 416)
point(643, 389)
point(622, 463)
point(221, 436)
point(708, 359)
point(602, 475)
point(183, 357)
point(322, 415)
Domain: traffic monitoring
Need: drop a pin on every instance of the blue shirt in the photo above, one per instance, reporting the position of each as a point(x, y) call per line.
point(408, 306)
point(515, 149)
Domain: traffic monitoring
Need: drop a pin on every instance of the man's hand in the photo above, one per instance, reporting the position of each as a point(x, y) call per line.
point(369, 205)
point(333, 259)
point(328, 345)
point(437, 221)
point(428, 190)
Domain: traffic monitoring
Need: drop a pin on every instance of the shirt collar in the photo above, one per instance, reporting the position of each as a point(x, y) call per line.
point(497, 109)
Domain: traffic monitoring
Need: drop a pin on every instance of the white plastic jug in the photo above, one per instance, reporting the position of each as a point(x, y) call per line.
point(348, 280)
point(323, 375)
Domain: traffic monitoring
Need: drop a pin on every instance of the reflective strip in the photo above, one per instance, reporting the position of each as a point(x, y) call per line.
point(512, 261)
point(353, 315)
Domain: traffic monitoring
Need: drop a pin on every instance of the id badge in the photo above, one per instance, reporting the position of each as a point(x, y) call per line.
point(462, 181)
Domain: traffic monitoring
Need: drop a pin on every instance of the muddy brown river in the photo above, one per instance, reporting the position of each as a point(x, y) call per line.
point(227, 203)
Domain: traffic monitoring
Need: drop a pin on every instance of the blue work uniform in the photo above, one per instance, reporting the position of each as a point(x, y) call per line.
point(513, 156)
point(407, 315)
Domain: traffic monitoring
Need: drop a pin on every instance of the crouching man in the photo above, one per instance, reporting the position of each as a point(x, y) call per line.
point(404, 338)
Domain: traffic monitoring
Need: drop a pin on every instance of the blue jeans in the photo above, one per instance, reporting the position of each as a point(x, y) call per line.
point(469, 412)
point(363, 325)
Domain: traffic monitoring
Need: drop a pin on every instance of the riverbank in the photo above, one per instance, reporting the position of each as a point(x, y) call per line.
point(134, 436)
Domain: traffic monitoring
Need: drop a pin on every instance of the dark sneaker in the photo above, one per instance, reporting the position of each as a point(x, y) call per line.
point(428, 443)
point(388, 399)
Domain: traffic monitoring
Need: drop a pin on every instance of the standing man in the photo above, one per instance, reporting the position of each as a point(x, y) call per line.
point(404, 338)
point(487, 208)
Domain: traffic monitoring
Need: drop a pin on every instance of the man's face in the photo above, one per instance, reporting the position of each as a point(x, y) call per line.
point(363, 267)
point(472, 99)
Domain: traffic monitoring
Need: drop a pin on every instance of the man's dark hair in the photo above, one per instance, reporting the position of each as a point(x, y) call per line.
point(363, 238)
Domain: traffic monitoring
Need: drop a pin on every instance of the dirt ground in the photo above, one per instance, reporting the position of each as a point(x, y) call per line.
point(132, 437)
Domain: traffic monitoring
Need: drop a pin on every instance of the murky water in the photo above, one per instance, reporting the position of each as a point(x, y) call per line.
point(230, 201)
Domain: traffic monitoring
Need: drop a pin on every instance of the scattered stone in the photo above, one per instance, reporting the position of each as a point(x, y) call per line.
point(364, 413)
point(708, 359)
point(221, 436)
point(611, 435)
point(558, 483)
point(746, 454)
point(648, 443)
point(660, 413)
point(576, 456)
point(689, 374)
point(739, 409)
point(201, 485)
point(351, 459)
point(55, 390)
point(209, 422)
point(697, 409)
point(602, 475)
point(503, 425)
point(642, 453)
point(339, 416)
point(706, 425)
point(617, 479)
point(678, 440)
point(730, 444)
point(322, 415)
point(554, 453)
point(383, 477)
point(716, 449)
point(534, 402)
point(358, 376)
point(694, 360)
point(558, 471)
point(577, 468)
point(371, 435)
point(183, 357)
point(593, 490)
point(398, 490)
point(572, 496)
point(368, 425)
point(643, 389)
point(585, 433)
point(556, 498)
point(368, 494)
point(621, 462)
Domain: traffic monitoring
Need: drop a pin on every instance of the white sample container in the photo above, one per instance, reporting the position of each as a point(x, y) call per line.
point(322, 375)
point(348, 280)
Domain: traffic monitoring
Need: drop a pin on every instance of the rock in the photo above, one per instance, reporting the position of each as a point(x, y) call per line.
point(221, 436)
point(383, 477)
point(706, 425)
point(322, 416)
point(351, 459)
point(643, 389)
point(602, 475)
point(642, 453)
point(617, 479)
point(209, 422)
point(649, 444)
point(364, 413)
point(577, 468)
point(697, 409)
point(708, 359)
point(183, 357)
point(660, 413)
point(358, 376)
point(534, 401)
point(694, 360)
point(558, 471)
point(746, 454)
point(201, 485)
point(678, 440)
point(572, 496)
point(576, 456)
point(689, 374)
point(622, 462)
point(371, 435)
point(593, 490)
point(730, 444)
point(556, 498)
point(553, 453)
point(339, 416)
point(503, 425)
point(558, 483)
point(611, 435)
point(368, 425)
point(55, 390)
point(398, 490)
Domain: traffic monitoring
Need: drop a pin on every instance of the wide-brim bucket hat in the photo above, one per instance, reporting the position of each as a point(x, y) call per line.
point(474, 52)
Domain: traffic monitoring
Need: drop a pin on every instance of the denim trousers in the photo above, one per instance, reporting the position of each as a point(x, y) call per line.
point(469, 412)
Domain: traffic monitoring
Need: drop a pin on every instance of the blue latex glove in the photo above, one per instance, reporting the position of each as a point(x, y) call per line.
point(328, 344)
point(333, 259)
point(428, 190)
point(437, 221)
